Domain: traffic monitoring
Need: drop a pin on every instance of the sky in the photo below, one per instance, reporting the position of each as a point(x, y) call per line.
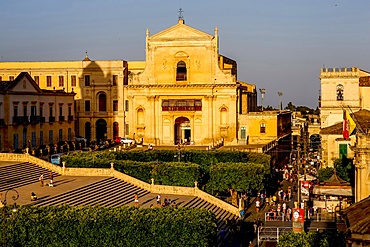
point(278, 45)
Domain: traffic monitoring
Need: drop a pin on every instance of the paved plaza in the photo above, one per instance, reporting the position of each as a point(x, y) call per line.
point(81, 190)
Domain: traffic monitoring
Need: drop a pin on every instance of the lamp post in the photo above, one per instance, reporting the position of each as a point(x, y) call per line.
point(262, 91)
point(280, 94)
point(4, 203)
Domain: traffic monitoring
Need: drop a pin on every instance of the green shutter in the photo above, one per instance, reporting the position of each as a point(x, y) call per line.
point(342, 150)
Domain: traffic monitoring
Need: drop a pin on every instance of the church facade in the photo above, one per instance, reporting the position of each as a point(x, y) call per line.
point(184, 91)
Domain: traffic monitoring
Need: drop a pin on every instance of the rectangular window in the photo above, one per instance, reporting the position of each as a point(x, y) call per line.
point(87, 80)
point(60, 134)
point(115, 105)
point(73, 81)
point(60, 110)
point(126, 105)
point(41, 137)
point(69, 110)
point(51, 139)
point(127, 129)
point(11, 78)
point(115, 80)
point(342, 151)
point(48, 81)
point(15, 111)
point(24, 110)
point(51, 111)
point(41, 111)
point(33, 139)
point(15, 141)
point(61, 81)
point(243, 133)
point(33, 110)
point(69, 134)
point(262, 128)
point(36, 78)
point(87, 105)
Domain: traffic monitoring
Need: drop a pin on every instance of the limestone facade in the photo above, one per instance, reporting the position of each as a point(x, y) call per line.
point(340, 87)
point(30, 117)
point(183, 91)
point(187, 91)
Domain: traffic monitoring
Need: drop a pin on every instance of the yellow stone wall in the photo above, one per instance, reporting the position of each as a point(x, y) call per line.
point(330, 148)
point(143, 86)
point(25, 95)
point(101, 82)
point(210, 78)
point(330, 108)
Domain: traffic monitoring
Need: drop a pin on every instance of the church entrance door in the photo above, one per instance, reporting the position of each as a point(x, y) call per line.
point(182, 131)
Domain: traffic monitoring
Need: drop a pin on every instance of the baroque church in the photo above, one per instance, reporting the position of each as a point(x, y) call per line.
point(184, 91)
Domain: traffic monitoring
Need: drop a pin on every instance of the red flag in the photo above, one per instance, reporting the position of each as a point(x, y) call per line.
point(345, 125)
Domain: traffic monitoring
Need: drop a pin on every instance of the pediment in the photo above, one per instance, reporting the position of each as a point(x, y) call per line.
point(24, 83)
point(180, 31)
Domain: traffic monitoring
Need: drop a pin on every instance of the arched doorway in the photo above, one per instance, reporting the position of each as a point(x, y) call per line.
point(115, 130)
point(101, 130)
point(88, 131)
point(182, 130)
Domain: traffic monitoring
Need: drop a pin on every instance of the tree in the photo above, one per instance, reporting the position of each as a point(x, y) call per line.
point(291, 107)
point(345, 169)
point(325, 173)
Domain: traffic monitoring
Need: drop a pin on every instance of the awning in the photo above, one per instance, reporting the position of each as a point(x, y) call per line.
point(308, 177)
point(322, 190)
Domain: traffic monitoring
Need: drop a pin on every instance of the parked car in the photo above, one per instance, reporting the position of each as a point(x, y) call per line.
point(126, 140)
point(80, 139)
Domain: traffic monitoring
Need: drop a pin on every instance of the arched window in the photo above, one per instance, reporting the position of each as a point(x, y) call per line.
point(140, 117)
point(223, 116)
point(181, 71)
point(262, 128)
point(102, 102)
point(340, 90)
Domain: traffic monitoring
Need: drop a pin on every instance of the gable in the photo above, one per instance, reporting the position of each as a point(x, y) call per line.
point(180, 31)
point(25, 84)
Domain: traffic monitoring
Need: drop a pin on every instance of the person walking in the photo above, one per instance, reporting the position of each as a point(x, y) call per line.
point(136, 200)
point(41, 179)
point(51, 179)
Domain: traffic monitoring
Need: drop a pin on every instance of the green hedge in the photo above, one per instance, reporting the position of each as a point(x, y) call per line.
point(237, 176)
point(194, 166)
point(166, 173)
point(99, 226)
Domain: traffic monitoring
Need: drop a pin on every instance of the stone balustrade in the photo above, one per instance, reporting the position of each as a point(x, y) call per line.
point(110, 172)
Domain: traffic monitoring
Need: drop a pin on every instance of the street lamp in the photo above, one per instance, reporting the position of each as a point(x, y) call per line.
point(281, 102)
point(3, 202)
point(262, 91)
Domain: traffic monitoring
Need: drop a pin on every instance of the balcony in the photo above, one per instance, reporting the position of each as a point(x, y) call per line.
point(20, 120)
point(51, 119)
point(35, 119)
point(70, 118)
point(2, 122)
point(42, 119)
point(181, 105)
point(62, 118)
